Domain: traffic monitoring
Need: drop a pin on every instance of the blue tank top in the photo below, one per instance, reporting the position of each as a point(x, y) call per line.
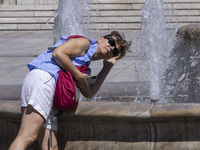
point(46, 62)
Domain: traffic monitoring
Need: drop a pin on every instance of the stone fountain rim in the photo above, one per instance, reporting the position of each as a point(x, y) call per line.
point(118, 110)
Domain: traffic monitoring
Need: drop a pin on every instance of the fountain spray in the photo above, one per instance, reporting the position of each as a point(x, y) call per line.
point(71, 18)
point(154, 42)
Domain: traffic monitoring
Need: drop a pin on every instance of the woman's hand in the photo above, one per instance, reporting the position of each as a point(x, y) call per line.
point(110, 62)
point(81, 80)
point(91, 90)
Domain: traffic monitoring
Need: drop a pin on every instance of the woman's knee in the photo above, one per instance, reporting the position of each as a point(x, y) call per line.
point(31, 125)
point(28, 139)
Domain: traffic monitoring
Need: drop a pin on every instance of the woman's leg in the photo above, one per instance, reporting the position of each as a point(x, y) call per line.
point(47, 138)
point(44, 140)
point(31, 125)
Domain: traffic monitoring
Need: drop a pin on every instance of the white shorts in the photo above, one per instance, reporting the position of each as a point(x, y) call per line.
point(38, 90)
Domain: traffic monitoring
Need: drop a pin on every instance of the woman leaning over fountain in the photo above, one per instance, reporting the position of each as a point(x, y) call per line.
point(39, 84)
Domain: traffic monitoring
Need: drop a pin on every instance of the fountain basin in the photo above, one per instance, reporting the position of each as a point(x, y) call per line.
point(116, 125)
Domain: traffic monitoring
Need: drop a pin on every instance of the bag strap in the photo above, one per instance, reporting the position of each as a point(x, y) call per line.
point(74, 36)
point(70, 37)
point(82, 68)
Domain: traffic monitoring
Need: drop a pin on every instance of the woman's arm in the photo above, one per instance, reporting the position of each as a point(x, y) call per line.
point(69, 49)
point(90, 90)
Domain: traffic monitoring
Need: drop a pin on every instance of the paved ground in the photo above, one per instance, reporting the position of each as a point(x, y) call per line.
point(17, 48)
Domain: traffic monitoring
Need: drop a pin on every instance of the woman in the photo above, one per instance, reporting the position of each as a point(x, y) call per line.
point(39, 85)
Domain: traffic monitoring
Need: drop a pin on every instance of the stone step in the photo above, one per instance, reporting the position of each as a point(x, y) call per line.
point(49, 13)
point(101, 6)
point(106, 15)
point(105, 26)
point(28, 14)
point(45, 2)
point(27, 7)
point(26, 27)
point(35, 20)
point(47, 20)
point(103, 13)
point(28, 2)
point(177, 6)
point(143, 1)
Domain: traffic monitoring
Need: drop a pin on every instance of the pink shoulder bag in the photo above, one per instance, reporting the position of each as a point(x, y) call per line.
point(65, 91)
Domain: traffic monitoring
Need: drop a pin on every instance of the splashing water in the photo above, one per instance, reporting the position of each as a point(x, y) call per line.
point(70, 20)
point(183, 73)
point(154, 42)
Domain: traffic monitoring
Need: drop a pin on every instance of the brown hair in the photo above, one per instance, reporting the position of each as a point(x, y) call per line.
point(124, 45)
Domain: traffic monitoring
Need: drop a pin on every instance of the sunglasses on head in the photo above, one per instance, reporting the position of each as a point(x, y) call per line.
point(111, 41)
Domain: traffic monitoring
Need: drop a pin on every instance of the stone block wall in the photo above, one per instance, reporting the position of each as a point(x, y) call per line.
point(116, 126)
